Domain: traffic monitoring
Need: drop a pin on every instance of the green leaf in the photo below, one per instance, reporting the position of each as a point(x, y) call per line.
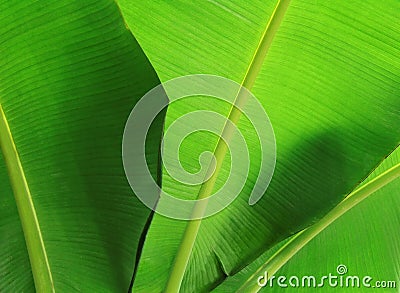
point(70, 73)
point(330, 83)
point(365, 239)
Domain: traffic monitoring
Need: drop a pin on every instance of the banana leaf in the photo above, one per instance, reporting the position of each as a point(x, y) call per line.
point(70, 73)
point(327, 73)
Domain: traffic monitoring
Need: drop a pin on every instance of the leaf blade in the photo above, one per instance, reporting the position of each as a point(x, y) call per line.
point(325, 72)
point(189, 237)
point(359, 232)
point(32, 232)
point(70, 74)
point(304, 237)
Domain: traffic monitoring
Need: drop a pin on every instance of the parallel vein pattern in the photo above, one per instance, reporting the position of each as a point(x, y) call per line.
point(70, 73)
point(330, 86)
point(221, 149)
point(27, 213)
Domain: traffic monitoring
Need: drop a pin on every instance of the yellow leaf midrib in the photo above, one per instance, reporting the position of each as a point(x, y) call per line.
point(182, 257)
point(30, 224)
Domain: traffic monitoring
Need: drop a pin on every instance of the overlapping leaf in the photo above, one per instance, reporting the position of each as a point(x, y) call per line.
point(329, 83)
point(70, 73)
point(365, 240)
